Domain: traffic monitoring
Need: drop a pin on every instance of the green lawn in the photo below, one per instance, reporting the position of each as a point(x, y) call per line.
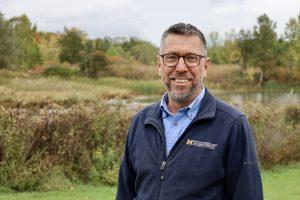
point(280, 183)
point(79, 192)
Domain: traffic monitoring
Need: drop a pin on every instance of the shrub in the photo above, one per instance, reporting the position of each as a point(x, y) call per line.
point(277, 141)
point(18, 171)
point(292, 114)
point(111, 129)
point(39, 148)
point(32, 145)
point(62, 72)
point(130, 71)
point(92, 62)
point(51, 146)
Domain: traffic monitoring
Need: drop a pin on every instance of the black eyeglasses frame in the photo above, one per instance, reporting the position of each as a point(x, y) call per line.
point(163, 55)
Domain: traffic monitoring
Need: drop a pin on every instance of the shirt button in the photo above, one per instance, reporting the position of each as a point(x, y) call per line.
point(175, 123)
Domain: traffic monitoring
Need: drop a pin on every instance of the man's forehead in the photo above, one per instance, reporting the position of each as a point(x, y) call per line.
point(179, 44)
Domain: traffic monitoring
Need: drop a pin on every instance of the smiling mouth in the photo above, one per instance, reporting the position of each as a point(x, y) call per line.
point(177, 80)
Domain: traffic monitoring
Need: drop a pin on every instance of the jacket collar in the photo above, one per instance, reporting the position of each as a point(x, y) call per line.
point(207, 111)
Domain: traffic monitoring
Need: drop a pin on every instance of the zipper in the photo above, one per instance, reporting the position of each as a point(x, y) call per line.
point(170, 156)
point(162, 168)
point(163, 165)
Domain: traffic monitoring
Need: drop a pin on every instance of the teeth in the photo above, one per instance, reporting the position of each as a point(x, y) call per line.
point(181, 80)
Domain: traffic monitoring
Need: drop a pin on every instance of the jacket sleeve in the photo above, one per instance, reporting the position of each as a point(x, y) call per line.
point(126, 181)
point(243, 180)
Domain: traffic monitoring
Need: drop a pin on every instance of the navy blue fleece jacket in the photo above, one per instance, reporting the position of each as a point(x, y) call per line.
point(214, 158)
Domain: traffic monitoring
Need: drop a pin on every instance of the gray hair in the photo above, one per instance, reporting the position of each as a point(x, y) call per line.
point(184, 29)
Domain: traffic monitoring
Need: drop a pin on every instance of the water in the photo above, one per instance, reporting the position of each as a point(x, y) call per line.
point(240, 98)
point(264, 98)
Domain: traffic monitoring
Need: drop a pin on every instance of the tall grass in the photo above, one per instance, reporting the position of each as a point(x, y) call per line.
point(43, 89)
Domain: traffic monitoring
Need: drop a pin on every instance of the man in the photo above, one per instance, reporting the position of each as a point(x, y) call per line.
point(190, 145)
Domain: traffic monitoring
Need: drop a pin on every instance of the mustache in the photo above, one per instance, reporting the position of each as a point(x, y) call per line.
point(181, 76)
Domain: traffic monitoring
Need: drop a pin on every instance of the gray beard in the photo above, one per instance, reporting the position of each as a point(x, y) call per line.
point(183, 97)
point(180, 97)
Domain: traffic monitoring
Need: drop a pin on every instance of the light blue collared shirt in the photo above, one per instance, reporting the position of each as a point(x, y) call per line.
point(175, 125)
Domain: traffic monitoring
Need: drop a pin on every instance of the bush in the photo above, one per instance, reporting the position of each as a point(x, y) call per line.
point(92, 62)
point(49, 147)
point(32, 145)
point(111, 130)
point(63, 72)
point(130, 71)
point(17, 171)
point(292, 114)
point(38, 149)
point(277, 140)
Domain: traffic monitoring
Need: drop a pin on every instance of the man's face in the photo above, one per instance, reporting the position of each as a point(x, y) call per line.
point(183, 83)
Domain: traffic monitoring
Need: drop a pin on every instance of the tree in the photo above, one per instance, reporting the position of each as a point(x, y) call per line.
point(214, 39)
point(291, 53)
point(71, 43)
point(245, 45)
point(141, 51)
point(7, 42)
point(92, 62)
point(264, 45)
point(231, 51)
point(27, 51)
point(117, 54)
point(292, 29)
point(214, 48)
point(103, 44)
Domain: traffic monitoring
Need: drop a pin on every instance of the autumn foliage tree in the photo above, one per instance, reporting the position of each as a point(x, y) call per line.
point(27, 52)
point(292, 38)
point(71, 43)
point(92, 59)
point(7, 42)
point(245, 45)
point(265, 39)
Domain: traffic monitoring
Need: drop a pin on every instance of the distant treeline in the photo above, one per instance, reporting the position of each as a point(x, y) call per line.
point(277, 57)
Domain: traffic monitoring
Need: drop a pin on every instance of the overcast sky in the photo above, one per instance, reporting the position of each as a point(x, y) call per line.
point(147, 19)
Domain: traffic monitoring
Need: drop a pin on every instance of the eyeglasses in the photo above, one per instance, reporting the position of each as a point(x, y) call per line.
point(191, 60)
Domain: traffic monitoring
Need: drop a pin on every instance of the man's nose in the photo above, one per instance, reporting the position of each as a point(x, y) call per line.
point(181, 66)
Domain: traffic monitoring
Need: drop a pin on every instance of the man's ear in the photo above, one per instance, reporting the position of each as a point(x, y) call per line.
point(207, 65)
point(159, 66)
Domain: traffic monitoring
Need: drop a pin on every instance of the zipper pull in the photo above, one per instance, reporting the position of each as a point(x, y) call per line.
point(162, 167)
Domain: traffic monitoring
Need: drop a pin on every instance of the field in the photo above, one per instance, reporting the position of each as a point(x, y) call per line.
point(279, 183)
point(70, 129)
point(79, 89)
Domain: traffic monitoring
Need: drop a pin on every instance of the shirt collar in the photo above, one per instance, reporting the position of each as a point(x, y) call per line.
point(191, 109)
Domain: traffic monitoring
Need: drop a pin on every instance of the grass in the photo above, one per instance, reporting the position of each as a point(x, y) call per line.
point(279, 183)
point(282, 183)
point(25, 90)
point(78, 192)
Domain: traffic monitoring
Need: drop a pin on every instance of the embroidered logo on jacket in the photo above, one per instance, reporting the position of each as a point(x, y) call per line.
point(201, 144)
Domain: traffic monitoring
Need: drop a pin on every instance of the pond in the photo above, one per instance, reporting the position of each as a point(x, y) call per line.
point(264, 98)
point(240, 98)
